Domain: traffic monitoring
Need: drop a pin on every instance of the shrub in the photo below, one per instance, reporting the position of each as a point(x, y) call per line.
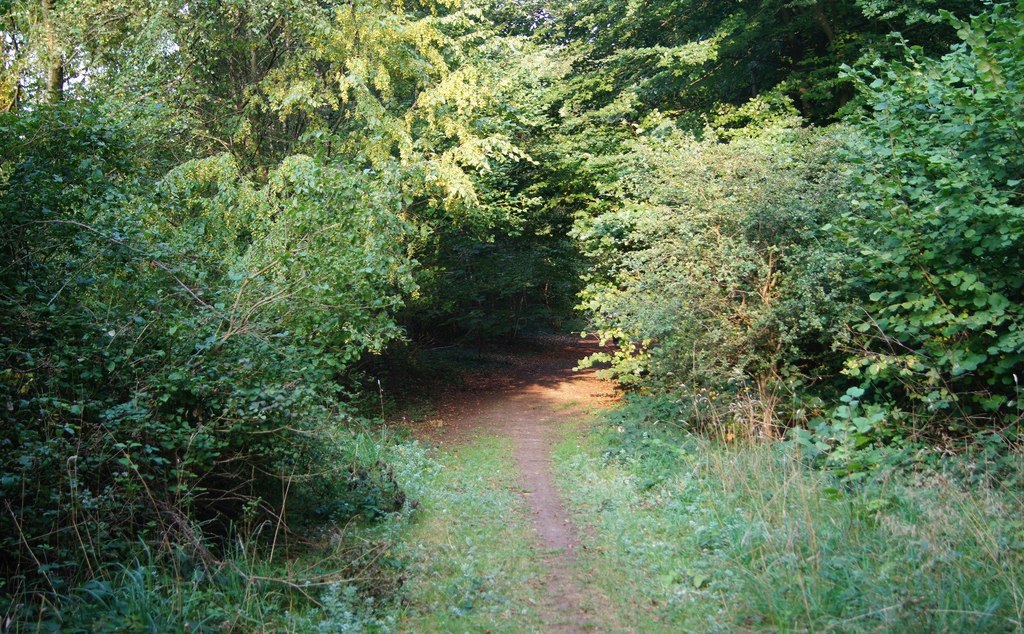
point(937, 223)
point(176, 346)
point(717, 269)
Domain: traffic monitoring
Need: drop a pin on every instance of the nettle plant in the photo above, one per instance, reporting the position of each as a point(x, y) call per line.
point(847, 440)
point(936, 226)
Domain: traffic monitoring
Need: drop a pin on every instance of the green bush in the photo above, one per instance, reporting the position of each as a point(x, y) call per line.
point(937, 223)
point(176, 346)
point(717, 269)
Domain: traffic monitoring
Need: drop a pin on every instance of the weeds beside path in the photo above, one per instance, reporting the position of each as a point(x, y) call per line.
point(535, 519)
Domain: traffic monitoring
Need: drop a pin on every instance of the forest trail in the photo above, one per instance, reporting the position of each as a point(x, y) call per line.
point(531, 398)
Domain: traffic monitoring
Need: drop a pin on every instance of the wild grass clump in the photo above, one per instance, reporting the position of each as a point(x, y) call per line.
point(336, 585)
point(746, 536)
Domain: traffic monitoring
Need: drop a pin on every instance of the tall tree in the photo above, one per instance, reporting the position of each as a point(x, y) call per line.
point(54, 55)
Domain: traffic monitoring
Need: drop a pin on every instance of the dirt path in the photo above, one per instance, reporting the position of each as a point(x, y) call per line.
point(530, 397)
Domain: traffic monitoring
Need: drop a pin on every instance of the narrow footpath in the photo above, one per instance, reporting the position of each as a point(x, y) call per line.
point(531, 398)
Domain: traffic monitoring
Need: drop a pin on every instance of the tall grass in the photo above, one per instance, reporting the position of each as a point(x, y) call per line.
point(745, 537)
point(153, 596)
point(458, 556)
point(334, 575)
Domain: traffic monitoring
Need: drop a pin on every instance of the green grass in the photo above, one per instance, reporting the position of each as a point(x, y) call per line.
point(245, 592)
point(467, 555)
point(687, 535)
point(680, 534)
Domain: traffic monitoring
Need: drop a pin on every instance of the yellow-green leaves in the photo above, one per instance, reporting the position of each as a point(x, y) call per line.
point(399, 90)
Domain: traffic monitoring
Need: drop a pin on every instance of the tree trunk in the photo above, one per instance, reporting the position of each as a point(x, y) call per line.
point(826, 25)
point(55, 72)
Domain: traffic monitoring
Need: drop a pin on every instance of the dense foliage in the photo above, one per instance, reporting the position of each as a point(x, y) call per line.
point(215, 216)
point(718, 269)
point(938, 220)
point(764, 268)
point(170, 349)
point(688, 58)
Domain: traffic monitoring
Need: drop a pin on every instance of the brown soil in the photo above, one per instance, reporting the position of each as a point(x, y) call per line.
point(529, 396)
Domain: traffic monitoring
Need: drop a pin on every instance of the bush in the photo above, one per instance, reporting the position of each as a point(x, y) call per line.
point(176, 346)
point(937, 223)
point(717, 269)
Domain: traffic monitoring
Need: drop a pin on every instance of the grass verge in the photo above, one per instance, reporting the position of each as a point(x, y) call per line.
point(453, 558)
point(687, 535)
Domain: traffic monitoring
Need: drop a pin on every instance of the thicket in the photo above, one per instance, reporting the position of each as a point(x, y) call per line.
point(856, 280)
point(717, 270)
point(170, 350)
point(936, 212)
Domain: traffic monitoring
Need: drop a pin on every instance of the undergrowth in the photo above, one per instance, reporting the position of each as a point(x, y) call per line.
point(747, 536)
point(411, 541)
point(332, 572)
